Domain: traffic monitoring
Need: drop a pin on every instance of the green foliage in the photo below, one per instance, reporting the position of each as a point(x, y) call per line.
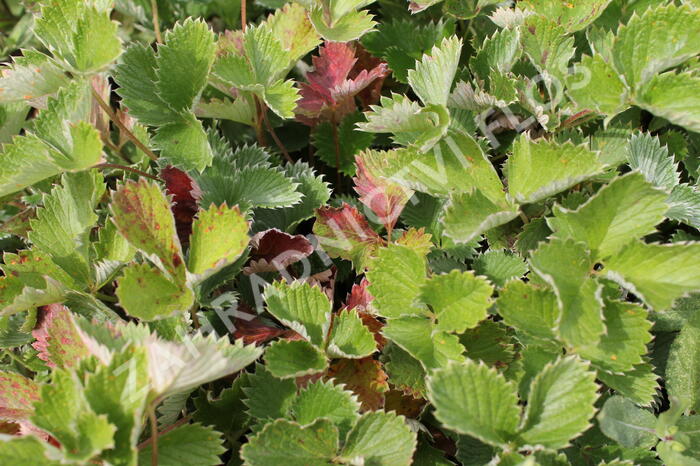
point(349, 232)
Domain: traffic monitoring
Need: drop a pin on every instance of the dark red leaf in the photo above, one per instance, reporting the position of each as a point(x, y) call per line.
point(185, 194)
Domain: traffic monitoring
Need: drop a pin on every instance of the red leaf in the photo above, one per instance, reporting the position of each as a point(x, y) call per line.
point(57, 338)
point(333, 84)
point(384, 197)
point(344, 232)
point(273, 250)
point(186, 194)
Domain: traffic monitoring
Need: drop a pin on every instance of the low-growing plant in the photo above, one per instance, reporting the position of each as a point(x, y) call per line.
point(350, 232)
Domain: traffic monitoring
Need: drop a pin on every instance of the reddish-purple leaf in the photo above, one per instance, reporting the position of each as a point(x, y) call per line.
point(186, 194)
point(57, 338)
point(384, 197)
point(344, 232)
point(334, 83)
point(17, 396)
point(273, 250)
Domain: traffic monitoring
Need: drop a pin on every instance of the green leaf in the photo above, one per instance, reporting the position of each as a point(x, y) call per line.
point(349, 337)
point(625, 339)
point(490, 342)
point(498, 52)
point(560, 404)
point(645, 154)
point(566, 266)
point(282, 98)
point(315, 193)
point(432, 77)
point(28, 450)
point(459, 300)
point(382, 439)
point(405, 372)
point(301, 307)
point(249, 187)
point(348, 27)
point(119, 391)
point(472, 399)
point(325, 400)
point(572, 16)
point(682, 371)
point(147, 294)
point(468, 215)
point(62, 226)
point(388, 43)
point(287, 359)
point(409, 123)
point(655, 41)
point(190, 444)
point(595, 85)
point(80, 33)
point(291, 25)
point(183, 63)
point(142, 215)
point(64, 412)
point(62, 141)
point(657, 273)
point(219, 237)
point(455, 164)
point(529, 308)
point(30, 77)
point(136, 76)
point(286, 442)
point(500, 266)
point(639, 385)
point(184, 143)
point(420, 338)
point(626, 209)
point(673, 97)
point(684, 205)
point(630, 426)
point(395, 278)
point(547, 46)
point(268, 397)
point(539, 169)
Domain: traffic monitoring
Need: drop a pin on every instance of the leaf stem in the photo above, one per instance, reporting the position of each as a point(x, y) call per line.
point(112, 116)
point(154, 434)
point(336, 143)
point(104, 297)
point(277, 140)
point(128, 169)
point(260, 136)
point(156, 21)
point(14, 357)
point(243, 15)
point(523, 217)
point(173, 426)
